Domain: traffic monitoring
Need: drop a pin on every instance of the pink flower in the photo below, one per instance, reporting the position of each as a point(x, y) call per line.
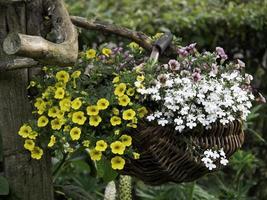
point(174, 65)
point(221, 53)
point(196, 76)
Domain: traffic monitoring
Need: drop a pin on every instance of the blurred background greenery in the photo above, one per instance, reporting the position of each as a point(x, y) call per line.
point(240, 27)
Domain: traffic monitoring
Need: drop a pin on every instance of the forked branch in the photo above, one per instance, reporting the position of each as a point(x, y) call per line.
point(63, 52)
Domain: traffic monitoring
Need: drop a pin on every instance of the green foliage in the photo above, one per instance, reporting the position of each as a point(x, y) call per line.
point(4, 186)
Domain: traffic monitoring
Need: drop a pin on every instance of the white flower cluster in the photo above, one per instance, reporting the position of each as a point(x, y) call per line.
point(185, 101)
point(210, 157)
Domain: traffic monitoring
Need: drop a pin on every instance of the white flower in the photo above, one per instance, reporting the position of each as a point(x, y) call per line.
point(224, 161)
point(150, 118)
point(162, 122)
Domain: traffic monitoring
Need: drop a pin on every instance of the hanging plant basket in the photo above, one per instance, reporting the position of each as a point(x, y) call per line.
point(164, 158)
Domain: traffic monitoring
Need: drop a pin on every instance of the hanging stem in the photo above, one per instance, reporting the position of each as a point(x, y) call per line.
point(60, 165)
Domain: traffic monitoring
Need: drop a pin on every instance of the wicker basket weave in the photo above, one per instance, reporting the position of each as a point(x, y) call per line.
point(169, 157)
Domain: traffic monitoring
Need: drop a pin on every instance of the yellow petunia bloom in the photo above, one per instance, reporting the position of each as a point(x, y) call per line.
point(115, 121)
point(95, 120)
point(102, 104)
point(95, 155)
point(62, 76)
point(142, 112)
point(134, 45)
point(115, 111)
point(117, 147)
point(124, 100)
point(117, 163)
point(38, 102)
point(37, 153)
point(76, 74)
point(116, 79)
point(136, 155)
point(75, 133)
point(106, 51)
point(92, 110)
point(65, 104)
point(78, 118)
point(101, 145)
point(25, 131)
point(48, 92)
point(126, 140)
point(91, 53)
point(59, 93)
point(120, 89)
point(53, 112)
point(42, 121)
point(76, 103)
point(56, 124)
point(29, 145)
point(86, 143)
point(60, 114)
point(130, 92)
point(33, 135)
point(140, 78)
point(60, 84)
point(128, 114)
point(52, 141)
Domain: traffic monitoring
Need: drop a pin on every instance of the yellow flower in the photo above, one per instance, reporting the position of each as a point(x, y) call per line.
point(38, 102)
point(78, 118)
point(117, 147)
point(142, 112)
point(25, 131)
point(115, 121)
point(33, 135)
point(29, 145)
point(116, 79)
point(53, 112)
point(36, 153)
point(115, 111)
point(60, 84)
point(102, 104)
point(134, 120)
point(91, 53)
point(117, 163)
point(140, 78)
point(56, 124)
point(136, 155)
point(124, 100)
point(75, 133)
point(101, 145)
point(42, 121)
point(60, 114)
point(95, 120)
point(59, 93)
point(52, 141)
point(92, 110)
point(76, 103)
point(95, 155)
point(65, 104)
point(133, 45)
point(106, 51)
point(62, 76)
point(128, 114)
point(130, 92)
point(126, 140)
point(86, 143)
point(48, 92)
point(120, 89)
point(66, 128)
point(76, 74)
point(70, 150)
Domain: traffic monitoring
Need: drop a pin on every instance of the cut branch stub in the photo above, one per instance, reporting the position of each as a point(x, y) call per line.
point(63, 52)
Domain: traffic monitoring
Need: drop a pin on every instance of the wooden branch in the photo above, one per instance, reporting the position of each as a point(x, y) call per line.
point(139, 37)
point(18, 63)
point(65, 49)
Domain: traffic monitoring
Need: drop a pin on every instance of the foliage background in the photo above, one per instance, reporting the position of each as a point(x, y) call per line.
point(239, 26)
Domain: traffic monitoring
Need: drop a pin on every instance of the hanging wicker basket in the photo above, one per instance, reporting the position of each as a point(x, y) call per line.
point(166, 156)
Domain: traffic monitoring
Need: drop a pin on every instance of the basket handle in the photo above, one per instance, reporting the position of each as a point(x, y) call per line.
point(160, 46)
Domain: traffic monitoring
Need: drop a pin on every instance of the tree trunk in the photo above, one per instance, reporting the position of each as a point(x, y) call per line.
point(29, 179)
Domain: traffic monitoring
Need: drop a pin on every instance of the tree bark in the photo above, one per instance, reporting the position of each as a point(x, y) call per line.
point(29, 179)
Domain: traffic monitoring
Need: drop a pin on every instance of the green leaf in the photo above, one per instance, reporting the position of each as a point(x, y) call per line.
point(105, 171)
point(4, 186)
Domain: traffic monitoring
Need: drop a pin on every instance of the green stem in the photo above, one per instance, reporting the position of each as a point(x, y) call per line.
point(60, 165)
